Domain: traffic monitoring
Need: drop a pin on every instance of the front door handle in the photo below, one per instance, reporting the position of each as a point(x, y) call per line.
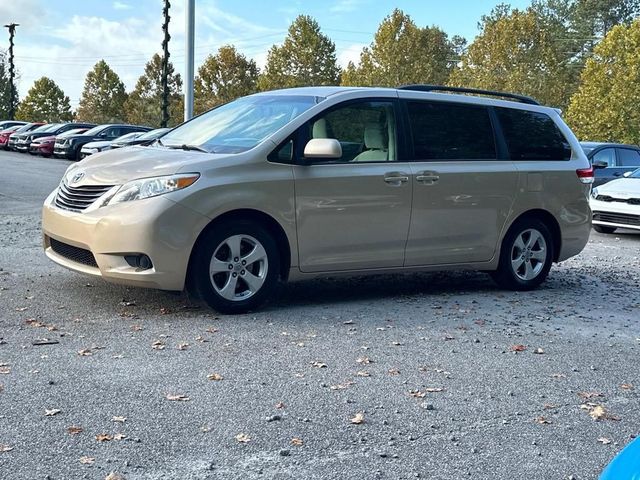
point(427, 178)
point(396, 178)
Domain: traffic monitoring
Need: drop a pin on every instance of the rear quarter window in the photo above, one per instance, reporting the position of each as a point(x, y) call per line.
point(532, 135)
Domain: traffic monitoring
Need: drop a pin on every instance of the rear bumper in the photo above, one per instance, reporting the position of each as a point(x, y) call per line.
point(157, 227)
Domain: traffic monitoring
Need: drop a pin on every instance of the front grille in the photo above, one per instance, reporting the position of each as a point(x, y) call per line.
point(620, 218)
point(607, 198)
point(75, 254)
point(77, 199)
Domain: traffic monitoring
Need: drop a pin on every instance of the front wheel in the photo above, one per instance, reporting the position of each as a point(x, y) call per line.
point(526, 256)
point(236, 267)
point(602, 229)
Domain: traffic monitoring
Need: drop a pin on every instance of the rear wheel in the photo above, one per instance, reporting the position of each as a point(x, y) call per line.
point(526, 255)
point(236, 267)
point(602, 229)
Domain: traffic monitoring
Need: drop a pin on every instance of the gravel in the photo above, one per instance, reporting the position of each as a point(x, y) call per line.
point(446, 394)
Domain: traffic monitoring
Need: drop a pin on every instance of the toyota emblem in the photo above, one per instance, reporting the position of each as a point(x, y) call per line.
point(77, 177)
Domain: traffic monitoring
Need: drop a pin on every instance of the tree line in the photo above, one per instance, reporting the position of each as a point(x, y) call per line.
point(582, 56)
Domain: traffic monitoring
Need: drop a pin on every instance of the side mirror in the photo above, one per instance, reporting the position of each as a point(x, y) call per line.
point(599, 164)
point(323, 148)
point(627, 174)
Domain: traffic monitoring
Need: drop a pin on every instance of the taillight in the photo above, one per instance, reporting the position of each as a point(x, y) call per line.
point(585, 175)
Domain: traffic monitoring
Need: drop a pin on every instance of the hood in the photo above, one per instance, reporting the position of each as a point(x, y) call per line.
point(100, 144)
point(115, 167)
point(621, 188)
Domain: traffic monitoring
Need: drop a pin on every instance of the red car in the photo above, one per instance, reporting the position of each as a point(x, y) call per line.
point(44, 145)
point(4, 135)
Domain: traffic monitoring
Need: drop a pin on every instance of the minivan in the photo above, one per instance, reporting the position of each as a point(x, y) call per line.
point(316, 181)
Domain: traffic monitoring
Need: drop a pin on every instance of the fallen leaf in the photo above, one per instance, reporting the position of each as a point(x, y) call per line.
point(5, 448)
point(538, 351)
point(358, 419)
point(73, 430)
point(158, 345)
point(177, 398)
point(394, 371)
point(243, 438)
point(119, 419)
point(479, 322)
point(558, 375)
point(396, 344)
point(297, 442)
point(164, 311)
point(433, 389)
point(341, 386)
point(114, 476)
point(518, 348)
point(417, 394)
point(216, 377)
point(626, 386)
point(604, 440)
point(543, 421)
point(550, 406)
point(21, 309)
point(52, 412)
point(280, 405)
point(85, 352)
point(319, 364)
point(448, 337)
point(119, 436)
point(5, 369)
point(136, 328)
point(87, 460)
point(364, 360)
point(598, 412)
point(104, 437)
point(363, 373)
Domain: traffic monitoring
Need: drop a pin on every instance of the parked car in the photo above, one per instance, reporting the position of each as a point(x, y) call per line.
point(22, 140)
point(44, 145)
point(71, 147)
point(4, 124)
point(53, 130)
point(104, 145)
point(23, 129)
point(270, 187)
point(4, 135)
point(617, 204)
point(611, 160)
point(142, 139)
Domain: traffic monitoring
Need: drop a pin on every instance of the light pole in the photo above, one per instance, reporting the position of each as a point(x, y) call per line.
point(12, 74)
point(165, 64)
point(189, 54)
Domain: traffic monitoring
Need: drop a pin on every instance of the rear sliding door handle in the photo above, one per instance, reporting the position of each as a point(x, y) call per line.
point(427, 178)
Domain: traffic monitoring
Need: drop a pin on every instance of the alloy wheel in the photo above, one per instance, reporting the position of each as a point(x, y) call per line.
point(529, 254)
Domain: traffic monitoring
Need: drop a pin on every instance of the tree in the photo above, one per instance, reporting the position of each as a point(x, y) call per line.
point(103, 97)
point(144, 105)
point(5, 88)
point(516, 52)
point(224, 77)
point(605, 108)
point(307, 57)
point(45, 102)
point(403, 53)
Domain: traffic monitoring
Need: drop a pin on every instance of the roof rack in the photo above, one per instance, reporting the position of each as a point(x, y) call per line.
point(442, 88)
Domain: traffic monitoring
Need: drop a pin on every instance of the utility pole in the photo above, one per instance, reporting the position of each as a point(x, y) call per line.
point(12, 71)
point(165, 64)
point(188, 67)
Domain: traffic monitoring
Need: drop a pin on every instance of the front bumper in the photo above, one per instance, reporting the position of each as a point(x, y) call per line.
point(41, 149)
point(63, 152)
point(157, 227)
point(22, 146)
point(615, 214)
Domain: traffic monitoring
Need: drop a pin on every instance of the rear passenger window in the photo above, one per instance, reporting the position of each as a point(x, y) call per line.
point(446, 131)
point(628, 158)
point(532, 136)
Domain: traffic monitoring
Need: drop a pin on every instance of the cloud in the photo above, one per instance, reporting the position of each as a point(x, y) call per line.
point(345, 6)
point(121, 6)
point(350, 54)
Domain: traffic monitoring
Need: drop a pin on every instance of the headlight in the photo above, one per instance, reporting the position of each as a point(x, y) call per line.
point(151, 187)
point(594, 192)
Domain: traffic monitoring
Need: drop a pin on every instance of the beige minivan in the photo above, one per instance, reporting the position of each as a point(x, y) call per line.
point(306, 182)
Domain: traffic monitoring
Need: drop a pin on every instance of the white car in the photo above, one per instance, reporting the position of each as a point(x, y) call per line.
point(104, 145)
point(616, 204)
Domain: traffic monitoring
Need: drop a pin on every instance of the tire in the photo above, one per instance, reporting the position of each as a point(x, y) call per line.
point(526, 255)
point(222, 249)
point(602, 229)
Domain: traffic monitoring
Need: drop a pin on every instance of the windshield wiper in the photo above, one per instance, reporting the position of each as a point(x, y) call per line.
point(195, 148)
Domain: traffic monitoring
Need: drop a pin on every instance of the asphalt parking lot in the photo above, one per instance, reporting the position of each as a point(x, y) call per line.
point(438, 376)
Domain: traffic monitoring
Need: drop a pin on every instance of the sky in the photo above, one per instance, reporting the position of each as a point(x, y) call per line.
point(63, 39)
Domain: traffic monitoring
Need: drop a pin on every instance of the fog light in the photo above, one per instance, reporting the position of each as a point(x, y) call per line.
point(140, 261)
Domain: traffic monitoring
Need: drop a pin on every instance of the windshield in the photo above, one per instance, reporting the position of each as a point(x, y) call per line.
point(95, 130)
point(68, 133)
point(153, 134)
point(42, 128)
point(635, 174)
point(240, 125)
